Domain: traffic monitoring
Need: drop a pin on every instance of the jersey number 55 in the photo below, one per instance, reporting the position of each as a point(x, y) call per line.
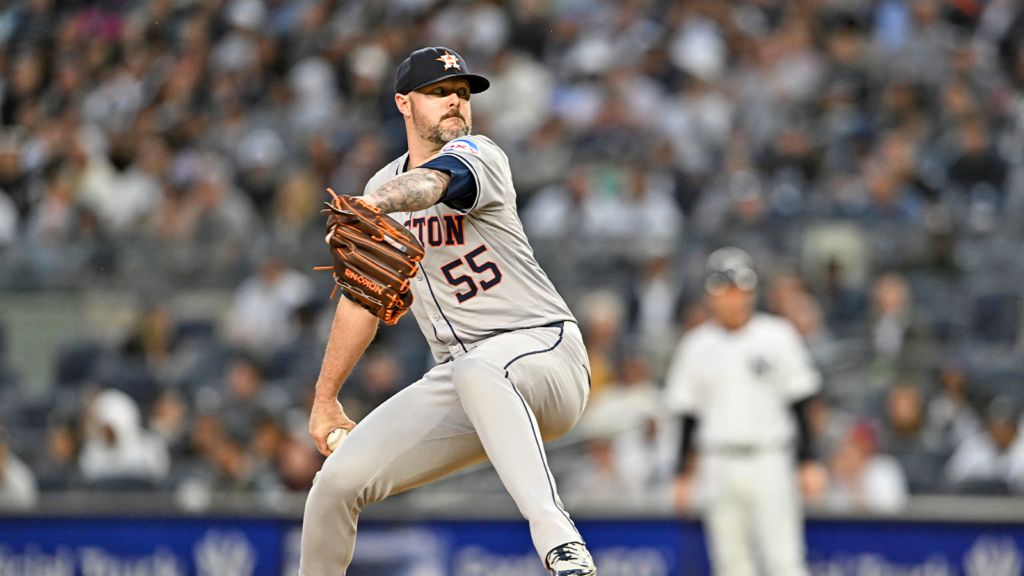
point(485, 268)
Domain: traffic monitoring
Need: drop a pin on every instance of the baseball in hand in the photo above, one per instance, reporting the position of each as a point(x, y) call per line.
point(336, 437)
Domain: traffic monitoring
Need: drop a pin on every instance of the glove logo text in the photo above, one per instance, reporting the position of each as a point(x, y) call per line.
point(364, 282)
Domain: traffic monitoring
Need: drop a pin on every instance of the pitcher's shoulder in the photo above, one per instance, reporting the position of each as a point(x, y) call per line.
point(389, 171)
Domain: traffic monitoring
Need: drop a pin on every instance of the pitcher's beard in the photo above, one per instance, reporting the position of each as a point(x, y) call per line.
point(442, 136)
point(437, 134)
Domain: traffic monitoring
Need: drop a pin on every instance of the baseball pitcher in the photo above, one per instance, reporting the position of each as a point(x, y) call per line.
point(437, 231)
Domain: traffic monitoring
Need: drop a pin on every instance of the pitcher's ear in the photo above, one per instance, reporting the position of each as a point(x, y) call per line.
point(403, 104)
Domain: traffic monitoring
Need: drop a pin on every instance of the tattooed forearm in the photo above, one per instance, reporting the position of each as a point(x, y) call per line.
point(415, 190)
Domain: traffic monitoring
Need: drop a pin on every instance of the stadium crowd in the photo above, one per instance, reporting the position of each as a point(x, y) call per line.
point(868, 153)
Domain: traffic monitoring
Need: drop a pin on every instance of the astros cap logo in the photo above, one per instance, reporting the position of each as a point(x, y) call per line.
point(449, 60)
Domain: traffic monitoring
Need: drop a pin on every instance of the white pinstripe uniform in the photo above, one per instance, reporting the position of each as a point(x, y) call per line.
point(512, 371)
point(740, 385)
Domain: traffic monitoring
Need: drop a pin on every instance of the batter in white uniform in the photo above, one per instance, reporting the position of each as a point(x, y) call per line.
point(741, 382)
point(511, 370)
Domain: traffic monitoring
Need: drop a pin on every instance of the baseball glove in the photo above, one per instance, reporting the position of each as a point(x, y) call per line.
point(374, 256)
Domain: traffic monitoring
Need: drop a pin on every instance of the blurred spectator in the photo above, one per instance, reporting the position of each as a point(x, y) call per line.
point(522, 86)
point(203, 226)
point(913, 444)
point(51, 224)
point(207, 428)
point(295, 206)
point(236, 469)
point(977, 161)
point(844, 298)
point(115, 446)
point(298, 462)
point(836, 257)
point(887, 196)
point(635, 431)
point(260, 317)
point(830, 424)
point(979, 173)
point(648, 221)
point(58, 469)
point(923, 42)
point(260, 154)
point(380, 376)
point(543, 160)
point(601, 319)
point(152, 340)
point(268, 437)
point(699, 118)
point(893, 327)
point(226, 464)
point(655, 293)
point(951, 414)
point(298, 363)
point(556, 222)
point(18, 489)
point(785, 292)
point(862, 479)
point(734, 202)
point(360, 162)
point(246, 398)
point(992, 460)
point(597, 478)
point(807, 317)
point(169, 419)
point(116, 188)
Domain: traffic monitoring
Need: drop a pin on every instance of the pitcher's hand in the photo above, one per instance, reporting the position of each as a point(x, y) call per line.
point(324, 417)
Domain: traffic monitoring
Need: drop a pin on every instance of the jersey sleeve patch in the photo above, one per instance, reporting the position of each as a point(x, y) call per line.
point(462, 145)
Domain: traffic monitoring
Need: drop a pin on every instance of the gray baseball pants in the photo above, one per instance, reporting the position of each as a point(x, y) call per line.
point(497, 401)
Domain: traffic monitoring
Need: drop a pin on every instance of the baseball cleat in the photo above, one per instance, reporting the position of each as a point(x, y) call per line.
point(571, 559)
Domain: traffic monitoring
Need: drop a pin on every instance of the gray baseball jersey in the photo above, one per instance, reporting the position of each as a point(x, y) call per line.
point(479, 276)
point(518, 375)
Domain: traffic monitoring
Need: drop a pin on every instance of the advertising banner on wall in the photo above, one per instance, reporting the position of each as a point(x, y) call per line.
point(656, 547)
point(633, 548)
point(137, 547)
point(844, 548)
point(673, 548)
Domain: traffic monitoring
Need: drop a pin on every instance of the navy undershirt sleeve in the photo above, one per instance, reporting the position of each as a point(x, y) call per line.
point(461, 192)
point(686, 444)
point(804, 447)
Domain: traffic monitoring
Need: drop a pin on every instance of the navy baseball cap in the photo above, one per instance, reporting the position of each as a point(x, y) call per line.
point(433, 64)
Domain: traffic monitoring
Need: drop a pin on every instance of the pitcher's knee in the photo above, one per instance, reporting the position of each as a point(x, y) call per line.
point(340, 483)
